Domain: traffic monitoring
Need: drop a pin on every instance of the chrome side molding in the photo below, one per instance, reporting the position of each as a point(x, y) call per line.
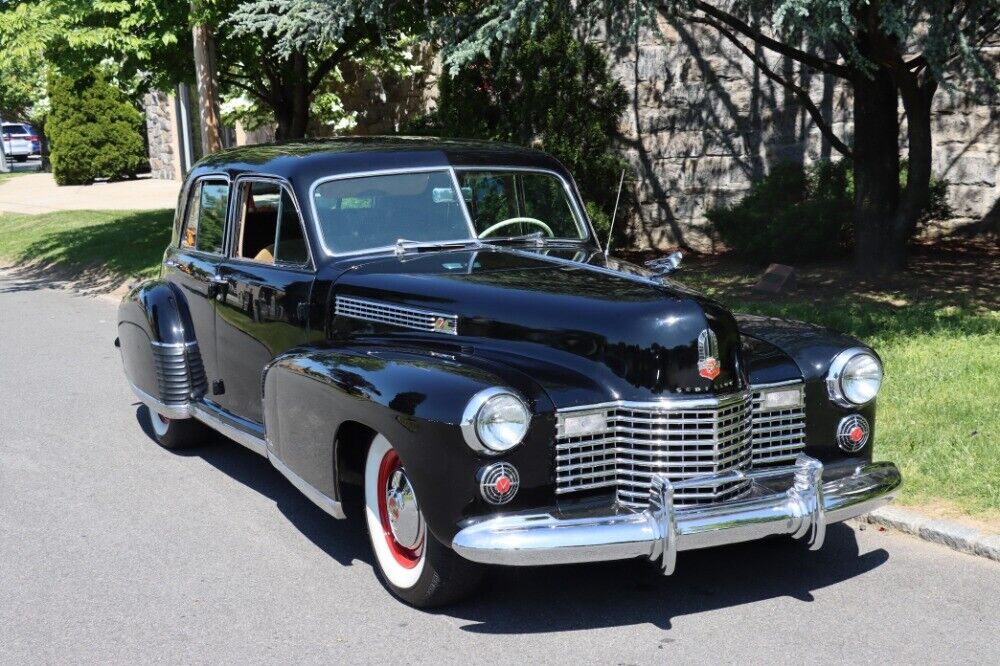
point(214, 418)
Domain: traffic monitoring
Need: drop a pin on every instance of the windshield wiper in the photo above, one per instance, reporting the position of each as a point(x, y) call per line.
point(405, 245)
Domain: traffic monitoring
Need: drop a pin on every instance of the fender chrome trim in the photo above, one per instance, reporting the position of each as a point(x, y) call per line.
point(171, 411)
point(802, 511)
point(219, 421)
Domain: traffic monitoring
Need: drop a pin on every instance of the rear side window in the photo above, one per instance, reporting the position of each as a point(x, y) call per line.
point(270, 230)
point(205, 224)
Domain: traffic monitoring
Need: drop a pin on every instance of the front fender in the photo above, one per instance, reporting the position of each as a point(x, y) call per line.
point(158, 348)
point(778, 350)
point(416, 400)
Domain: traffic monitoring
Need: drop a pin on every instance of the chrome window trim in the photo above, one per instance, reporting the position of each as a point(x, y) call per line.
point(581, 218)
point(197, 180)
point(834, 375)
point(309, 266)
point(471, 412)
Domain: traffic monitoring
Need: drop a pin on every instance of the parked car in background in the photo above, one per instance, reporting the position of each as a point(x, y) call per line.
point(429, 330)
point(18, 141)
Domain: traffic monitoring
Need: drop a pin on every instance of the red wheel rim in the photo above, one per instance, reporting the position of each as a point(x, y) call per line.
point(405, 557)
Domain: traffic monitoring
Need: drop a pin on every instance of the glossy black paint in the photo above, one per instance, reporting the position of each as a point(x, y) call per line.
point(561, 325)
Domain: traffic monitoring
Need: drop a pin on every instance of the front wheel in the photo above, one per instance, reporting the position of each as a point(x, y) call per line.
point(410, 562)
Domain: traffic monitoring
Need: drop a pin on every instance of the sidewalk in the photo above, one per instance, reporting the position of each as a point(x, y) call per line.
point(38, 193)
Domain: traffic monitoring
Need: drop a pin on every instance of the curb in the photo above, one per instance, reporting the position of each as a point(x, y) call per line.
point(945, 532)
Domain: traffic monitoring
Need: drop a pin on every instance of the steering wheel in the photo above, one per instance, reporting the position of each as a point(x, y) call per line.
point(516, 220)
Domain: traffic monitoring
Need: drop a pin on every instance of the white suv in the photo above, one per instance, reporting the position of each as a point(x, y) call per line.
point(16, 141)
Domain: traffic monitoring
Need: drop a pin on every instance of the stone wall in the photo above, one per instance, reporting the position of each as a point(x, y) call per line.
point(703, 123)
point(161, 135)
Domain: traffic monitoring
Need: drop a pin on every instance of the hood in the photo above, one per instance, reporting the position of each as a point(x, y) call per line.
point(585, 333)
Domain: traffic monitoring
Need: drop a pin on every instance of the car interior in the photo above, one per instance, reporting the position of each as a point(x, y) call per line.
point(269, 227)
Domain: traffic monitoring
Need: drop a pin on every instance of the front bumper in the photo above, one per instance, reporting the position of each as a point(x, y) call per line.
point(791, 500)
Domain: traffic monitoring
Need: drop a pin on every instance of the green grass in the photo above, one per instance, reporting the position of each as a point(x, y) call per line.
point(110, 244)
point(939, 409)
point(11, 174)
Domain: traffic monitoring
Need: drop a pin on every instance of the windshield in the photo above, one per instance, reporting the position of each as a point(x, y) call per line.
point(369, 212)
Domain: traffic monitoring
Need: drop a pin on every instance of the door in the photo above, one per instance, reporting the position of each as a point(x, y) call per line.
point(268, 277)
point(193, 265)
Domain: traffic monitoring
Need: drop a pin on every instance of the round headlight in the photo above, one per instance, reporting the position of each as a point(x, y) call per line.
point(495, 420)
point(855, 377)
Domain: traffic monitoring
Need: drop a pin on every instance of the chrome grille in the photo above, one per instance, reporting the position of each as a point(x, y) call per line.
point(180, 374)
point(681, 439)
point(396, 315)
point(778, 434)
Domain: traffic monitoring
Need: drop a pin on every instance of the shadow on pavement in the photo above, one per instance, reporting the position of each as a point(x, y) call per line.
point(572, 598)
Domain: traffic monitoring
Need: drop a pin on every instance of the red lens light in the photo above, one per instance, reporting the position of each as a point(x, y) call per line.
point(856, 434)
point(502, 485)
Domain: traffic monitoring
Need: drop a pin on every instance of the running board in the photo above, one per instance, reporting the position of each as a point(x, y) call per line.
point(246, 433)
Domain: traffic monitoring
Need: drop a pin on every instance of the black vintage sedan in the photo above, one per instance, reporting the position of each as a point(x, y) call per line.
point(428, 330)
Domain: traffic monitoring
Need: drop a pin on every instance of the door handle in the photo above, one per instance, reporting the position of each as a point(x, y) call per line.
point(218, 280)
point(171, 263)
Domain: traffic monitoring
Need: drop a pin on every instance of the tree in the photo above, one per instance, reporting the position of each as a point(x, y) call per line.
point(206, 78)
point(887, 51)
point(291, 47)
point(94, 130)
point(550, 89)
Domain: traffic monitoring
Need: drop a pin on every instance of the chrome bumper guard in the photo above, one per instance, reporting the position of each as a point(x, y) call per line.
point(803, 511)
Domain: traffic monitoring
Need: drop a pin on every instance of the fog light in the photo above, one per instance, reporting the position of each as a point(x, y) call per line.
point(499, 482)
point(784, 398)
point(853, 433)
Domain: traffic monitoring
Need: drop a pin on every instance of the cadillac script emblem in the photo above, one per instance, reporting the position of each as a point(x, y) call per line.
point(708, 355)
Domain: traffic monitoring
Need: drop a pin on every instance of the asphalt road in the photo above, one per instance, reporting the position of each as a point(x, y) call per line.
point(114, 550)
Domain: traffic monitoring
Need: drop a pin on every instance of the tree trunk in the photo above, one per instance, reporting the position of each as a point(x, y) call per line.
point(208, 88)
point(877, 249)
point(292, 112)
point(917, 100)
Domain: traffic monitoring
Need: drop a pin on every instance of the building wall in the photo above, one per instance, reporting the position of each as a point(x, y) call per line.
point(703, 123)
point(161, 131)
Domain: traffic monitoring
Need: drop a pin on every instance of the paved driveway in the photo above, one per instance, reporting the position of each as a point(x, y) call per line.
point(38, 193)
point(113, 550)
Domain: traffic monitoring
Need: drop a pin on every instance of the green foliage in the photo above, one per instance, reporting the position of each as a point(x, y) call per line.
point(797, 213)
point(547, 89)
point(791, 215)
point(93, 129)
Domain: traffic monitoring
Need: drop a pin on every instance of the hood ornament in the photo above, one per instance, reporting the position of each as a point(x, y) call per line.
point(708, 355)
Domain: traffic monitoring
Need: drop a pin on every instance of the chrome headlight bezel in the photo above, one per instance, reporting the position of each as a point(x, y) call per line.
point(473, 420)
point(841, 368)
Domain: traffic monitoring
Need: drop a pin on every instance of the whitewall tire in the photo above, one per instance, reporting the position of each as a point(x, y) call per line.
point(409, 560)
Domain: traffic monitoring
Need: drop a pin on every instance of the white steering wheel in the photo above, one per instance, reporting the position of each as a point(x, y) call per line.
point(516, 220)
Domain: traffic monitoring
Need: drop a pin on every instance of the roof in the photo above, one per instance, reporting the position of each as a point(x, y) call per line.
point(307, 160)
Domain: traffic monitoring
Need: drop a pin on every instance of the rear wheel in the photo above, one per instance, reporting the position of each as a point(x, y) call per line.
point(177, 433)
point(409, 560)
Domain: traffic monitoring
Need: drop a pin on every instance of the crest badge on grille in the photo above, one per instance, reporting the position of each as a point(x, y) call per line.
point(708, 354)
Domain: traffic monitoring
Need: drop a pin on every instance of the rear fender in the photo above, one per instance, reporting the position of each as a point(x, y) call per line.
point(158, 347)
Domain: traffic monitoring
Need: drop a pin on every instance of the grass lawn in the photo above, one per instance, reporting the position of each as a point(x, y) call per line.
point(936, 326)
point(100, 246)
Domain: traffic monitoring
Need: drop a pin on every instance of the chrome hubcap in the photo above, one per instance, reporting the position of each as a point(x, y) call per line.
point(401, 505)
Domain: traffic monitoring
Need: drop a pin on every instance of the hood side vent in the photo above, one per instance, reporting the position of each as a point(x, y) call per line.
point(395, 315)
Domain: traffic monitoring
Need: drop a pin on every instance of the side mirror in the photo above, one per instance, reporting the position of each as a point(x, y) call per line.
point(666, 265)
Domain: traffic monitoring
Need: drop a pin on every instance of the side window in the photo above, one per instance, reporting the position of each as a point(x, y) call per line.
point(270, 230)
point(205, 224)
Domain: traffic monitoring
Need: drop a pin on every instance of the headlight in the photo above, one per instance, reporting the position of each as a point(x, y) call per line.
point(495, 420)
point(854, 378)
